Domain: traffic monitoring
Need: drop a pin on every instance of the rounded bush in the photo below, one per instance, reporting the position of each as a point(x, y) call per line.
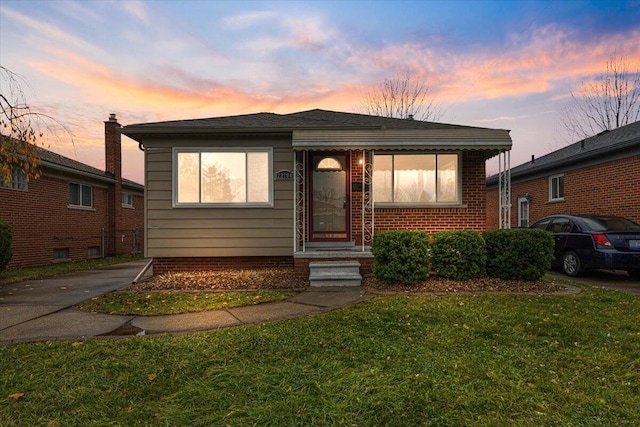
point(458, 254)
point(519, 253)
point(400, 256)
point(5, 245)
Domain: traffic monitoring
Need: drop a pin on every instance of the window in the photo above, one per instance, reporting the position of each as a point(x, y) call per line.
point(556, 187)
point(127, 200)
point(416, 178)
point(80, 195)
point(223, 177)
point(18, 180)
point(61, 253)
point(523, 212)
point(93, 252)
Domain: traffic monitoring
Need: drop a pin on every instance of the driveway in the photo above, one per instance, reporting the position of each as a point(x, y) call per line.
point(24, 303)
point(615, 280)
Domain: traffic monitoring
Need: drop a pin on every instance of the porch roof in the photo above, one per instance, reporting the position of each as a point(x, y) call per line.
point(492, 141)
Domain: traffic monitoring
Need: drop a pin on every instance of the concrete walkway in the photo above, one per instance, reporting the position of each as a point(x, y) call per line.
point(42, 310)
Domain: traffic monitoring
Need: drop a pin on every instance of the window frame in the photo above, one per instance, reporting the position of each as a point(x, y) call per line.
point(130, 196)
point(19, 181)
point(174, 163)
point(392, 204)
point(80, 196)
point(557, 177)
point(522, 200)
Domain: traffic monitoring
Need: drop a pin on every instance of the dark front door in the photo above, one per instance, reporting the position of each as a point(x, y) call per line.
point(329, 186)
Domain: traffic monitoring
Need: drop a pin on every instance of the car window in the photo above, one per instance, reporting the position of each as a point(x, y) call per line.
point(561, 225)
point(542, 224)
point(610, 224)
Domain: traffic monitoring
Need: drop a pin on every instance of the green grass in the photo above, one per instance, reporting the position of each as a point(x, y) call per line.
point(36, 273)
point(155, 303)
point(457, 360)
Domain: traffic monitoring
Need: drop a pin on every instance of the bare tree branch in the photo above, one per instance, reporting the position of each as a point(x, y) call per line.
point(611, 100)
point(20, 129)
point(404, 96)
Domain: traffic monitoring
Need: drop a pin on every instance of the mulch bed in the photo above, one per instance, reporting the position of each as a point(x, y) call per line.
point(283, 279)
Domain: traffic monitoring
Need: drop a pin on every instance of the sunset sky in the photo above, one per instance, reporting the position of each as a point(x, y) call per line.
point(501, 64)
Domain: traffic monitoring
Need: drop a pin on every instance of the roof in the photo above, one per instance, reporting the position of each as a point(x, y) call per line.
point(58, 162)
point(323, 129)
point(599, 148)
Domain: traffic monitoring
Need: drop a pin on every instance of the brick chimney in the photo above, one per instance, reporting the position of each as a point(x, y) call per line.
point(113, 167)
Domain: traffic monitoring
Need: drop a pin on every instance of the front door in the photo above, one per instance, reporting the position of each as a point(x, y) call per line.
point(329, 190)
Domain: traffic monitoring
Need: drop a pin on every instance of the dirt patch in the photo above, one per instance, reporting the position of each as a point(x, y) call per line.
point(284, 279)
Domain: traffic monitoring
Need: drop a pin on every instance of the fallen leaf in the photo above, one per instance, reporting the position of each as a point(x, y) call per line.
point(77, 343)
point(16, 396)
point(152, 377)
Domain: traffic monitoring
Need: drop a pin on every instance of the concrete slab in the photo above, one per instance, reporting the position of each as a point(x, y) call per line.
point(68, 324)
point(185, 322)
point(11, 315)
point(331, 297)
point(272, 311)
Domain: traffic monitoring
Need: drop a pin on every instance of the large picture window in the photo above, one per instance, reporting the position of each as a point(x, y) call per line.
point(416, 178)
point(217, 177)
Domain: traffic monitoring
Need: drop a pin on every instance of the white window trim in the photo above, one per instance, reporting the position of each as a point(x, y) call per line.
point(455, 204)
point(81, 206)
point(127, 205)
point(520, 217)
point(551, 178)
point(174, 163)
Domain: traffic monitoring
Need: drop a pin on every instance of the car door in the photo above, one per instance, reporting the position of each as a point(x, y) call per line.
point(561, 229)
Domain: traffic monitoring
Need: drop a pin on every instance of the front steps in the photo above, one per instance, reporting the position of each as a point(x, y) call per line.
point(334, 273)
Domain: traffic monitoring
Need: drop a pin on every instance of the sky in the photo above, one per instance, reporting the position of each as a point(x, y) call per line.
point(498, 64)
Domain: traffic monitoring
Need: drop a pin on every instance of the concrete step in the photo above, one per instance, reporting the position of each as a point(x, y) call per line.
point(334, 273)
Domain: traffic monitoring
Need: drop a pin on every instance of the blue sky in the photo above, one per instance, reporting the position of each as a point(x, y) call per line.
point(503, 64)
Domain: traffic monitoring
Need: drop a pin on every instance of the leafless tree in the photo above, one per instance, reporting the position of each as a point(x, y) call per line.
point(20, 129)
point(609, 101)
point(404, 96)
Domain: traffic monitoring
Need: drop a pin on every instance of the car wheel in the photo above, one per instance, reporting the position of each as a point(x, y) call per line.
point(571, 265)
point(635, 274)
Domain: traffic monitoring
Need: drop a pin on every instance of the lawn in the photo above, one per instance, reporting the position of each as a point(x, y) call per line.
point(455, 360)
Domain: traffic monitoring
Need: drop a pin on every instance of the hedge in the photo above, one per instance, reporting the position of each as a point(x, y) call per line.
point(5, 245)
point(519, 253)
point(458, 254)
point(401, 256)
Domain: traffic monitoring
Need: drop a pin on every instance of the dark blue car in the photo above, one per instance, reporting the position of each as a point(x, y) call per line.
point(588, 242)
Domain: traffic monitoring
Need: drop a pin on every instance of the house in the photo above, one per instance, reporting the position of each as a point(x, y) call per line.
point(598, 175)
point(74, 211)
point(284, 190)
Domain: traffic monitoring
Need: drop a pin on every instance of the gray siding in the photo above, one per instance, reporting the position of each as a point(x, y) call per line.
point(213, 232)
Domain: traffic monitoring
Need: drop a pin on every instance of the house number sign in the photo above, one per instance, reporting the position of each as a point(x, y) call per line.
point(284, 175)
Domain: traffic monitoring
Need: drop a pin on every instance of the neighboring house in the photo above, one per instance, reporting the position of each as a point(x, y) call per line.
point(266, 190)
point(74, 211)
point(598, 175)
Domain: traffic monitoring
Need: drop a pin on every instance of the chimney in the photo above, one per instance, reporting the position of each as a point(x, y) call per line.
point(113, 167)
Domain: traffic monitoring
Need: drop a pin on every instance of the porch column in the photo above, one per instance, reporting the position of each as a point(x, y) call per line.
point(299, 166)
point(504, 189)
point(367, 199)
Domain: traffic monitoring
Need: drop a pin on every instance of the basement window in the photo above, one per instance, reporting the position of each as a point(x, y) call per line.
point(60, 254)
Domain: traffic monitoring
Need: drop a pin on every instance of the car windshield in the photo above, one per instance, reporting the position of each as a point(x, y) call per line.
point(610, 224)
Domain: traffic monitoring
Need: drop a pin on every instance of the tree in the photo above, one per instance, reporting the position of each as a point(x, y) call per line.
point(18, 133)
point(611, 100)
point(404, 96)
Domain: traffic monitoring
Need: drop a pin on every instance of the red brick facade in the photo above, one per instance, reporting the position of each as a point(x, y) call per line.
point(611, 188)
point(43, 223)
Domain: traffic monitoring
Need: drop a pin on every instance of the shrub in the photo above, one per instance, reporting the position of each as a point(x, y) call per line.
point(458, 254)
point(5, 245)
point(401, 256)
point(519, 253)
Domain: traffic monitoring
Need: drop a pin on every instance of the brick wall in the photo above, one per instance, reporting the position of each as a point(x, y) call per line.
point(610, 188)
point(41, 221)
